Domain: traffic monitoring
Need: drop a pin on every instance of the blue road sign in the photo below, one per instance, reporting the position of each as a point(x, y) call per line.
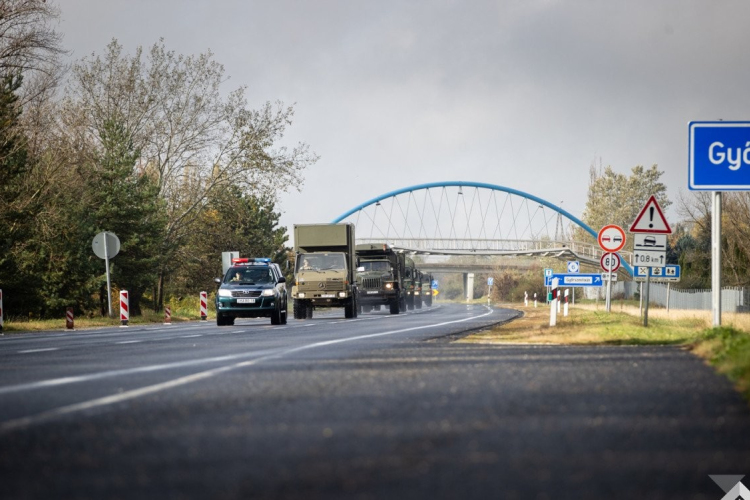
point(434, 284)
point(547, 272)
point(574, 266)
point(719, 156)
point(669, 272)
point(575, 279)
point(490, 281)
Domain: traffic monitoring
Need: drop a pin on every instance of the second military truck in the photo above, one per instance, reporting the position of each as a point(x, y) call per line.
point(380, 277)
point(325, 269)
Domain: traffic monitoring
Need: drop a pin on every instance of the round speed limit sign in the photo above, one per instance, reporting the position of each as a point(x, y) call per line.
point(610, 262)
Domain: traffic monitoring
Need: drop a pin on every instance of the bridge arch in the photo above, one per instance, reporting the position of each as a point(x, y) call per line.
point(513, 223)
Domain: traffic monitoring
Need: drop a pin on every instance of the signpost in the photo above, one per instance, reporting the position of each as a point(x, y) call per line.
point(716, 157)
point(650, 230)
point(106, 245)
point(611, 239)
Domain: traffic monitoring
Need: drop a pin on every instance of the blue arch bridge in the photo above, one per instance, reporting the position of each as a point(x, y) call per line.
point(489, 222)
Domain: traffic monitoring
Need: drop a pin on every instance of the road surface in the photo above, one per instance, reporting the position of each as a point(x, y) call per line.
point(379, 407)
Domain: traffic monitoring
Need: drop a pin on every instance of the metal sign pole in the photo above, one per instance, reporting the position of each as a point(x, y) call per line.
point(716, 258)
point(109, 286)
point(645, 301)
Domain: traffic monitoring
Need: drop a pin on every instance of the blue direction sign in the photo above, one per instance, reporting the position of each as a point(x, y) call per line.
point(719, 156)
point(575, 279)
point(434, 284)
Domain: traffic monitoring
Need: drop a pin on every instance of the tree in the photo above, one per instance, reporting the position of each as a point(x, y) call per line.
point(617, 199)
point(232, 221)
point(192, 141)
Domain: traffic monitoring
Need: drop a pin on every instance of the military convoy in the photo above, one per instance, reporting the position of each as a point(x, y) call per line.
point(329, 271)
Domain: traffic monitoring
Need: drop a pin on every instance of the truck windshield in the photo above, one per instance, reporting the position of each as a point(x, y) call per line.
point(376, 265)
point(321, 262)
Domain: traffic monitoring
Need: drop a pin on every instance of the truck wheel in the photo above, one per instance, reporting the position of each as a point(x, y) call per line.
point(300, 309)
point(284, 313)
point(410, 303)
point(309, 310)
point(402, 304)
point(220, 321)
point(418, 303)
point(394, 307)
point(349, 309)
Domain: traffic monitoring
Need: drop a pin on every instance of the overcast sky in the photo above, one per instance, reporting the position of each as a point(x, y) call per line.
point(525, 94)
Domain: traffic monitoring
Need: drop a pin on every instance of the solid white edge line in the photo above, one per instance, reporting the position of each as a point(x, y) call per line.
point(18, 423)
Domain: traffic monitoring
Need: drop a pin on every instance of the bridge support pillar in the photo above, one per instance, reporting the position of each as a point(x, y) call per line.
point(469, 286)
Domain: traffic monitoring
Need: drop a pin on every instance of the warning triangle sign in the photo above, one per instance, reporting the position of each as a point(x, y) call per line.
point(651, 219)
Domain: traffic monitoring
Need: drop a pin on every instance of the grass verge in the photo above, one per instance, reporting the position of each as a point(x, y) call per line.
point(727, 349)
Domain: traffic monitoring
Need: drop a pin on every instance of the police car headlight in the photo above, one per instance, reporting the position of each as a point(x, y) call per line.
point(225, 293)
point(269, 292)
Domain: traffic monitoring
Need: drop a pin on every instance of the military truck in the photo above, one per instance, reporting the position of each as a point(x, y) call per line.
point(427, 289)
point(325, 269)
point(418, 288)
point(410, 271)
point(379, 277)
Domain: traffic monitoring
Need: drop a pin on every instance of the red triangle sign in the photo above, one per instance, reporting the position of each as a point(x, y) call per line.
point(651, 219)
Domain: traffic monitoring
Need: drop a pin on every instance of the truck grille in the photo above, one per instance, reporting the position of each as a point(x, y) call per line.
point(371, 283)
point(243, 294)
point(328, 286)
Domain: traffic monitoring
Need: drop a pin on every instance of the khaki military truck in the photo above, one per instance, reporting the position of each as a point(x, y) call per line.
point(379, 278)
point(325, 269)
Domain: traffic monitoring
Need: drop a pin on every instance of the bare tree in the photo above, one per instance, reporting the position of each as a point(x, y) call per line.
point(193, 138)
point(28, 42)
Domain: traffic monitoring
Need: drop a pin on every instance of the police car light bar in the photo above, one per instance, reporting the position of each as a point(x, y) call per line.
point(245, 260)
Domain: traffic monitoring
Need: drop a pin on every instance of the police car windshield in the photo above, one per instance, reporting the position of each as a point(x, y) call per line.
point(249, 275)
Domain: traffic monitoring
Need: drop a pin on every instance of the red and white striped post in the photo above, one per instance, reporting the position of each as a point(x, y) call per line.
point(1, 310)
point(167, 315)
point(124, 308)
point(565, 305)
point(204, 306)
point(69, 318)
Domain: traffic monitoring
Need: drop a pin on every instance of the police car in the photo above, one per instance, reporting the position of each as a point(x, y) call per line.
point(251, 288)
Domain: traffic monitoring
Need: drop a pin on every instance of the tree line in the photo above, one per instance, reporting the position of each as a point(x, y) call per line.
point(147, 145)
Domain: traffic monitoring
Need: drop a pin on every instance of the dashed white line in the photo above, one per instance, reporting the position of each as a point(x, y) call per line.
point(47, 349)
point(189, 336)
point(129, 342)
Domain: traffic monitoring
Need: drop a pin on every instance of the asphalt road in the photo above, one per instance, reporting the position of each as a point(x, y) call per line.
point(379, 407)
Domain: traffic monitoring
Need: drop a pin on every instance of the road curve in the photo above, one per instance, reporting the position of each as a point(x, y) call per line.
point(380, 407)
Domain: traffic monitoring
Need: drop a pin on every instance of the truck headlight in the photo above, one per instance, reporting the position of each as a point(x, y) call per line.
point(301, 295)
point(389, 286)
point(225, 293)
point(342, 294)
point(268, 292)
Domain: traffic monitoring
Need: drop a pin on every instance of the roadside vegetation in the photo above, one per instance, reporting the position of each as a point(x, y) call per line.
point(727, 348)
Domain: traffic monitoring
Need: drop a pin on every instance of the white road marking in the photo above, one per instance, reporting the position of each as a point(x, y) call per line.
point(180, 381)
point(47, 349)
point(129, 342)
point(189, 336)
